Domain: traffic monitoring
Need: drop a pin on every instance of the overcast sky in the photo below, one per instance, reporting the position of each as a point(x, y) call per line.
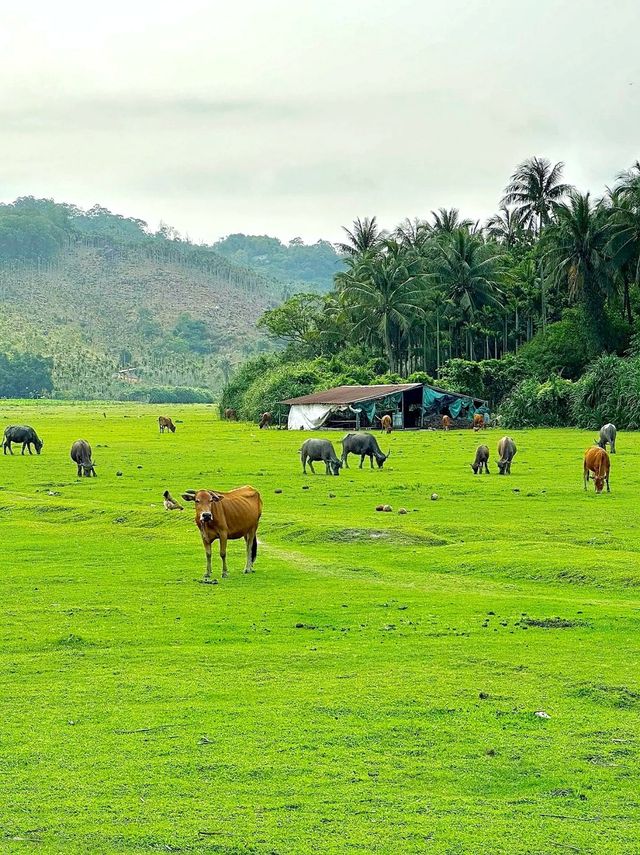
point(291, 118)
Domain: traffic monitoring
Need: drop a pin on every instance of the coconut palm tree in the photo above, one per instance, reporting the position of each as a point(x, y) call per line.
point(364, 235)
point(534, 189)
point(386, 289)
point(575, 250)
point(624, 245)
point(506, 227)
point(469, 274)
point(447, 221)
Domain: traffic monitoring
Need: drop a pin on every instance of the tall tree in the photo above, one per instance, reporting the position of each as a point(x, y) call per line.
point(576, 253)
point(468, 271)
point(364, 235)
point(535, 187)
point(506, 227)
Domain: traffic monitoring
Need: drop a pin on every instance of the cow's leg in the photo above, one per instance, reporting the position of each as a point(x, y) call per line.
point(345, 462)
point(612, 445)
point(249, 538)
point(223, 554)
point(207, 550)
point(607, 480)
point(304, 465)
point(79, 471)
point(327, 468)
point(585, 478)
point(313, 471)
point(486, 469)
point(371, 460)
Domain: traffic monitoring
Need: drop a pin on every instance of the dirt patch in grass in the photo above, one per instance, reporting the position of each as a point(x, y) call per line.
point(371, 535)
point(551, 623)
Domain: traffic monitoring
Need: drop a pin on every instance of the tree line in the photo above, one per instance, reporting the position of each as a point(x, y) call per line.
point(555, 273)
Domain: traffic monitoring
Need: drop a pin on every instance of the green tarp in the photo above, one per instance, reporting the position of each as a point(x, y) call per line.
point(369, 407)
point(432, 400)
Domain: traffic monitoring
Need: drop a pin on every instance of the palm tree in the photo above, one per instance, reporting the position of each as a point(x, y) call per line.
point(468, 272)
point(413, 234)
point(386, 288)
point(535, 188)
point(576, 250)
point(363, 236)
point(624, 245)
point(506, 227)
point(447, 221)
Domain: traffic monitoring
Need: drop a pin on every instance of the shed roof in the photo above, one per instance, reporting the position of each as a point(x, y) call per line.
point(352, 394)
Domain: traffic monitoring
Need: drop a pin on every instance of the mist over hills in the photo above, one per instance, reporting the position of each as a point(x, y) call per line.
point(120, 308)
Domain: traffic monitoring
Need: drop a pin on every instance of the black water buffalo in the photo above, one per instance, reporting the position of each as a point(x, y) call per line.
point(365, 445)
point(608, 434)
point(320, 449)
point(482, 460)
point(81, 456)
point(24, 434)
point(506, 453)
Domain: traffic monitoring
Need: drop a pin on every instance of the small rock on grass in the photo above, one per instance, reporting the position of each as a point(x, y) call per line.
point(434, 497)
point(277, 491)
point(402, 511)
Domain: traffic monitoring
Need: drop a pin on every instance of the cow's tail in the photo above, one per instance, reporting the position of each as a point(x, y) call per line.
point(254, 547)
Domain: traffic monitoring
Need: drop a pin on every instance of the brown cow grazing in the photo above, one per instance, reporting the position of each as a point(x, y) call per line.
point(230, 415)
point(386, 424)
point(596, 460)
point(447, 421)
point(482, 460)
point(81, 456)
point(506, 452)
point(166, 424)
point(227, 516)
point(478, 421)
point(265, 420)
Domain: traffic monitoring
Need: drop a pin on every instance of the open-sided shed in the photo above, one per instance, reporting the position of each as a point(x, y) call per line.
point(410, 405)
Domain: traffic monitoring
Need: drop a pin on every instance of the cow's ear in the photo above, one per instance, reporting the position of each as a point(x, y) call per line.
point(215, 497)
point(189, 497)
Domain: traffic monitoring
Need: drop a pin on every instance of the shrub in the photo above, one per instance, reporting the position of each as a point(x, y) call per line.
point(534, 404)
point(609, 391)
point(500, 377)
point(248, 373)
point(562, 349)
point(461, 375)
point(287, 381)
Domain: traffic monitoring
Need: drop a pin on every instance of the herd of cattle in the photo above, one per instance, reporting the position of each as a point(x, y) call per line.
point(235, 514)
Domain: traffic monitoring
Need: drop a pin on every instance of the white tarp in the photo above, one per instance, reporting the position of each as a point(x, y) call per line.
point(308, 416)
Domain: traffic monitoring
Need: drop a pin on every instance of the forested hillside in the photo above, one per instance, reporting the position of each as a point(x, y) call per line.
point(120, 309)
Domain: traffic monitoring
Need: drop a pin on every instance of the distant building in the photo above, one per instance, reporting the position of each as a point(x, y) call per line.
point(410, 405)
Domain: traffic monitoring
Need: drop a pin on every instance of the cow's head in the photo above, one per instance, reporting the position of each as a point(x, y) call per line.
point(502, 465)
point(335, 466)
point(598, 480)
point(600, 442)
point(380, 459)
point(38, 444)
point(475, 467)
point(88, 469)
point(204, 501)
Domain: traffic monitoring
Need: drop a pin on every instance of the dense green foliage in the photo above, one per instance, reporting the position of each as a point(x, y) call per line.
point(295, 263)
point(539, 291)
point(372, 687)
point(23, 375)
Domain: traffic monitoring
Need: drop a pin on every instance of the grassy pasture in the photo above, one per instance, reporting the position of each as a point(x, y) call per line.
point(371, 688)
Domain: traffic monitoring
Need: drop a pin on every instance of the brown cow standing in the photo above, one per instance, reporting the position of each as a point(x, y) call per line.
point(478, 421)
point(596, 460)
point(447, 421)
point(230, 415)
point(265, 420)
point(166, 424)
point(227, 516)
point(386, 424)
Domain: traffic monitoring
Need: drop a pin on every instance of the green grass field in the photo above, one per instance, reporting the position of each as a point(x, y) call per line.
point(371, 688)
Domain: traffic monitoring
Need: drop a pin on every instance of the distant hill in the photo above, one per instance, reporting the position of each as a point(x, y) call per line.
point(119, 307)
point(309, 266)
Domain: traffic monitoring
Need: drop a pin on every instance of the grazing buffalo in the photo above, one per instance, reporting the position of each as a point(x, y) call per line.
point(482, 460)
point(320, 449)
point(165, 423)
point(596, 460)
point(386, 424)
point(506, 452)
point(365, 445)
point(227, 516)
point(478, 421)
point(81, 456)
point(21, 434)
point(608, 434)
point(265, 420)
point(447, 421)
point(230, 415)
